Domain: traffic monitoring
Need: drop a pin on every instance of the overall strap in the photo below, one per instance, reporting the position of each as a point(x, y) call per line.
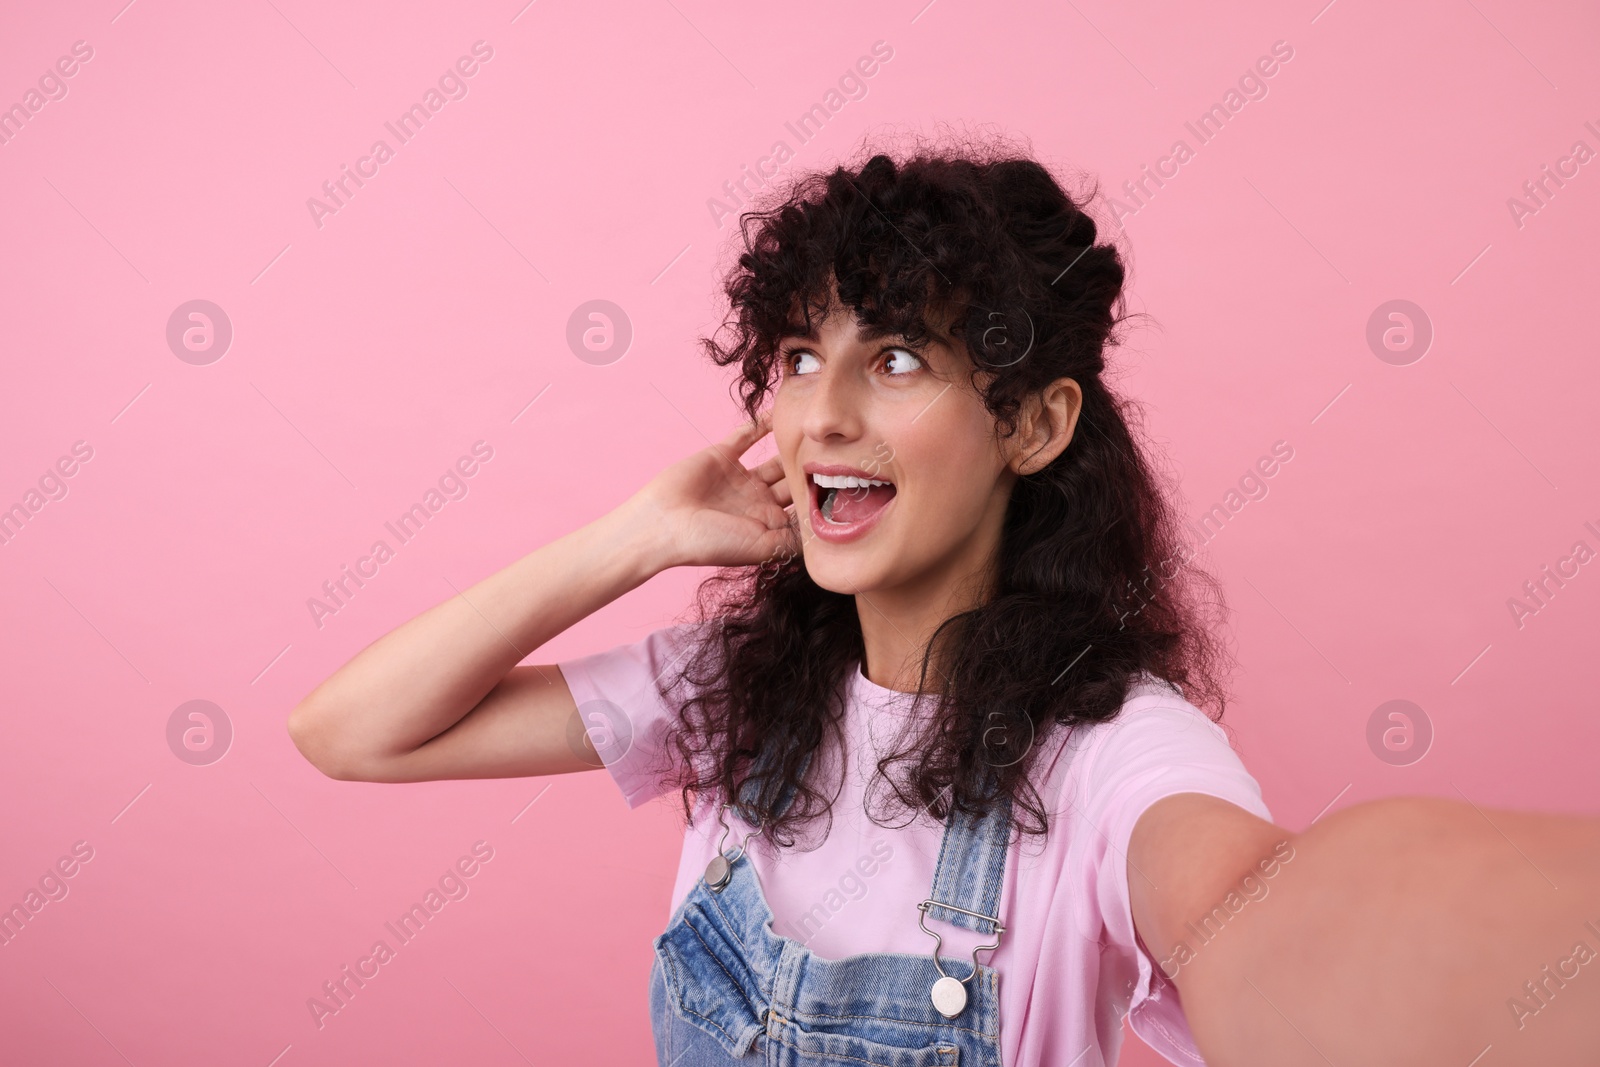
point(971, 868)
point(972, 855)
point(750, 788)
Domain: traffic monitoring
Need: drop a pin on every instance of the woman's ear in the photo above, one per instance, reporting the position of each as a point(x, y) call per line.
point(1045, 426)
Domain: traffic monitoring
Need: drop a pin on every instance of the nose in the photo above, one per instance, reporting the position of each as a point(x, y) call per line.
point(833, 412)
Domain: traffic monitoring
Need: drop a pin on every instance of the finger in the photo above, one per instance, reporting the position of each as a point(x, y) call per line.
point(782, 494)
point(781, 544)
point(770, 471)
point(747, 434)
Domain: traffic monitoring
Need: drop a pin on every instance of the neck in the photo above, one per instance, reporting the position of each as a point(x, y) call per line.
point(897, 622)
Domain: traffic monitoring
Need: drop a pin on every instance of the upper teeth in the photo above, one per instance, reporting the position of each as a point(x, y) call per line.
point(844, 481)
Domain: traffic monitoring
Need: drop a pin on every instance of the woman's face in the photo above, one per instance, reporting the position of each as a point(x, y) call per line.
point(870, 408)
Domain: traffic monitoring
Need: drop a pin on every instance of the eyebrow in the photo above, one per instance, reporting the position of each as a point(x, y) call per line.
point(798, 331)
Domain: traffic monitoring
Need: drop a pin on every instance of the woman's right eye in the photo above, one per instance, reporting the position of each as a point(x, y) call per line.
point(796, 360)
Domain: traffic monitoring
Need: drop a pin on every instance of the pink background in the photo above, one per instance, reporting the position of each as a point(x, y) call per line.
point(369, 353)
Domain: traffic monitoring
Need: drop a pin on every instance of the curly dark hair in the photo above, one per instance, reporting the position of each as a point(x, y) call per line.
point(979, 242)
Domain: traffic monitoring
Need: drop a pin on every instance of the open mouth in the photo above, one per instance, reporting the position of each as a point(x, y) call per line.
point(847, 500)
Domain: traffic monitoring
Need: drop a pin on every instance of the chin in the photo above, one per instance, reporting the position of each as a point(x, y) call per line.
point(844, 576)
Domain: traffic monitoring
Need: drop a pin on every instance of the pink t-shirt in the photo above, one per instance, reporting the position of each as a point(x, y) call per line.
point(1070, 964)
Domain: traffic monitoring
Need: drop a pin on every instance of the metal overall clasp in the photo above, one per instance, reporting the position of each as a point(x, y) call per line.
point(949, 993)
point(720, 870)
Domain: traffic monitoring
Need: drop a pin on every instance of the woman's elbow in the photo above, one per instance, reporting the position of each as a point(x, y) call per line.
point(312, 730)
point(1418, 917)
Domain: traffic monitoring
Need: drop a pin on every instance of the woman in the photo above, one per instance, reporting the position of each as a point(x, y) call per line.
point(938, 729)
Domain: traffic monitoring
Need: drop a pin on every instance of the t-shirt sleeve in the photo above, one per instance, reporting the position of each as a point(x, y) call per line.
point(620, 704)
point(1158, 746)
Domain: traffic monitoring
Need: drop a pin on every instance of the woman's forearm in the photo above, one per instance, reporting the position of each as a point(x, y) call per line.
point(426, 674)
point(1412, 931)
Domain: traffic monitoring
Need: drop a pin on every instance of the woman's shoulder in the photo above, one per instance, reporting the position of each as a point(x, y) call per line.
point(1154, 705)
point(643, 661)
point(628, 704)
point(1157, 740)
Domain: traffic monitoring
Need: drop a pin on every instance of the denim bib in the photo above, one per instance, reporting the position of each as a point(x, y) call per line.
point(726, 989)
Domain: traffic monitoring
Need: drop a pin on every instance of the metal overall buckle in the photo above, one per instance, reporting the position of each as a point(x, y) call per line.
point(720, 870)
point(949, 993)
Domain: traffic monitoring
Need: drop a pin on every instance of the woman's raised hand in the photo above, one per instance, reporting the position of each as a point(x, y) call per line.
point(712, 511)
point(476, 713)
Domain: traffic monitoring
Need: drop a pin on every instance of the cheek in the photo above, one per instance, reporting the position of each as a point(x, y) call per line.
point(786, 431)
point(787, 435)
point(787, 415)
point(950, 458)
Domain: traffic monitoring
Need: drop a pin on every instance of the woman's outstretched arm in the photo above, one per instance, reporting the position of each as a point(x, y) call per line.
point(440, 696)
point(1400, 931)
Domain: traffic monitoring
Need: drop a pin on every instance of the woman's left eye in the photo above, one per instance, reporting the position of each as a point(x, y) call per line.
point(904, 354)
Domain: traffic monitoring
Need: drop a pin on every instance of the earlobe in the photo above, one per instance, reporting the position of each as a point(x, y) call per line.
point(1023, 446)
point(1034, 436)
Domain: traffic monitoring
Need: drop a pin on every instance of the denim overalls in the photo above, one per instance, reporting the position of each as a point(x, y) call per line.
point(726, 989)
